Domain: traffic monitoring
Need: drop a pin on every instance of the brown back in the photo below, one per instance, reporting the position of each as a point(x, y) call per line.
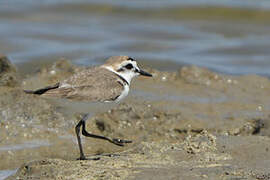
point(92, 84)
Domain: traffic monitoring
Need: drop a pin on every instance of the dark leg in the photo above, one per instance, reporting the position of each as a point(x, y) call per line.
point(115, 141)
point(77, 130)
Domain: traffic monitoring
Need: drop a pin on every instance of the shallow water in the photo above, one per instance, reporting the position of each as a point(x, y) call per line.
point(5, 173)
point(25, 145)
point(226, 36)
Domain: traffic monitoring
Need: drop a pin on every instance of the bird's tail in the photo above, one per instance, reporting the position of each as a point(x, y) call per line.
point(42, 90)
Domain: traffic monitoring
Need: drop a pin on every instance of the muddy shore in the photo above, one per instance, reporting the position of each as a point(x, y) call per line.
point(189, 124)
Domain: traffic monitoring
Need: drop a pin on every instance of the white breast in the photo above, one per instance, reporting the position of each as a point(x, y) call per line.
point(124, 93)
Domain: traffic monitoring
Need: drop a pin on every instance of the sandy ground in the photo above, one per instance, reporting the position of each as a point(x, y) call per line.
point(189, 124)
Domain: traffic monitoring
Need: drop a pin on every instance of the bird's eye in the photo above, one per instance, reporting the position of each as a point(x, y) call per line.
point(130, 59)
point(129, 66)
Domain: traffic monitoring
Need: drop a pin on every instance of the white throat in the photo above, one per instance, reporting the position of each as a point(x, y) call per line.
point(125, 75)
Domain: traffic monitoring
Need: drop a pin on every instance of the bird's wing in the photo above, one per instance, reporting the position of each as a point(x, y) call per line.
point(91, 85)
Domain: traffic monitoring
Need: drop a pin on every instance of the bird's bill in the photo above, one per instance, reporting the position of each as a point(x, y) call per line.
point(144, 73)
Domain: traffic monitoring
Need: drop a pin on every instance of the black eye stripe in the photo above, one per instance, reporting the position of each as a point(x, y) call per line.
point(130, 59)
point(129, 66)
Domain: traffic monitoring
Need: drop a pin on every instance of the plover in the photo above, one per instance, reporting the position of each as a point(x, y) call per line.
point(106, 83)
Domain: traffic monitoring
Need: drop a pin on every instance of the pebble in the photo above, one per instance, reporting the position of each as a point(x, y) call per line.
point(259, 108)
point(164, 78)
point(52, 72)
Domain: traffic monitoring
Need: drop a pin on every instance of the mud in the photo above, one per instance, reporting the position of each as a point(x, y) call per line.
point(188, 124)
point(8, 76)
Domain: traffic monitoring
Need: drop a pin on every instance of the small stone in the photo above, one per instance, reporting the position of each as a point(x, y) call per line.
point(229, 81)
point(259, 108)
point(164, 78)
point(11, 153)
point(52, 72)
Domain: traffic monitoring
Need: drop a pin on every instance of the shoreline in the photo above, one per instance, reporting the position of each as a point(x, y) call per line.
point(194, 121)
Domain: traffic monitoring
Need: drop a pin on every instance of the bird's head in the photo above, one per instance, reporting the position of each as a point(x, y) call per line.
point(125, 66)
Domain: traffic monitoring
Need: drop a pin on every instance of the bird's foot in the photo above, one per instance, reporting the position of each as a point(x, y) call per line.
point(84, 158)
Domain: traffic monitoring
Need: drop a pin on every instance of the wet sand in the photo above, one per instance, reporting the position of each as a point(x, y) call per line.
point(188, 124)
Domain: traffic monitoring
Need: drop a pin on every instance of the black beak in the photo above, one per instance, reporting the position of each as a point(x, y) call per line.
point(143, 73)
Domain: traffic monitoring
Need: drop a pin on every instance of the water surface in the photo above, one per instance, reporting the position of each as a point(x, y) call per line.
point(227, 36)
point(5, 173)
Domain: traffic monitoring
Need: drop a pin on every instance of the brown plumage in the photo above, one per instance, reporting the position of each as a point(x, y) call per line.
point(92, 84)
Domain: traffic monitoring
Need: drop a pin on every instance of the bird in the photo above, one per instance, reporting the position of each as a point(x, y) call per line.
point(102, 84)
